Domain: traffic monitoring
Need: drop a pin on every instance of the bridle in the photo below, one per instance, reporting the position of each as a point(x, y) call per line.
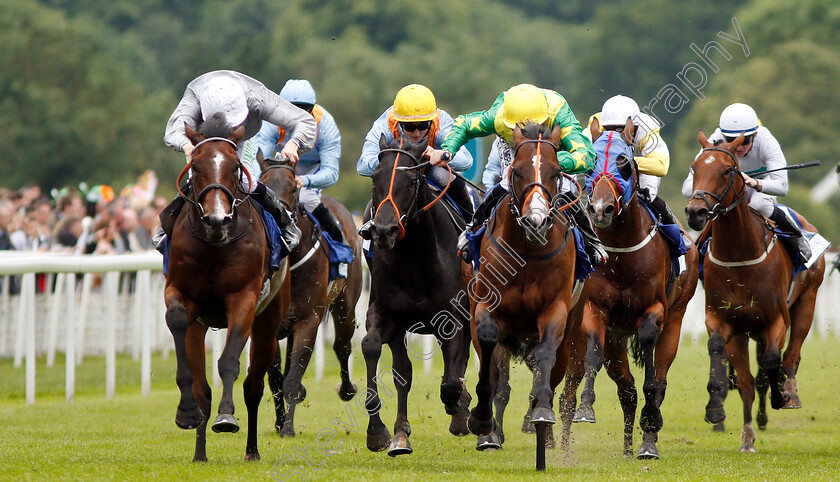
point(281, 164)
point(620, 200)
point(195, 198)
point(718, 208)
point(403, 218)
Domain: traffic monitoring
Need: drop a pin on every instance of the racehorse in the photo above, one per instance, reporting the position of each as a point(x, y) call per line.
point(522, 297)
point(417, 285)
point(635, 294)
point(312, 295)
point(220, 277)
point(751, 291)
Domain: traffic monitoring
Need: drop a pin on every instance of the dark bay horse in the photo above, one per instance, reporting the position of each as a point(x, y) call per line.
point(220, 277)
point(312, 295)
point(417, 285)
point(522, 295)
point(750, 290)
point(635, 294)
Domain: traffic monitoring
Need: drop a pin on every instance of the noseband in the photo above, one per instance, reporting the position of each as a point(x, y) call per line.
point(718, 208)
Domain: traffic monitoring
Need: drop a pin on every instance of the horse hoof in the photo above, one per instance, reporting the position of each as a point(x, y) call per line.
point(188, 419)
point(778, 399)
point(647, 451)
point(378, 440)
point(251, 457)
point(459, 426)
point(199, 459)
point(346, 393)
point(584, 414)
point(225, 422)
point(718, 427)
point(542, 415)
point(747, 439)
point(400, 446)
point(747, 449)
point(793, 402)
point(488, 442)
point(478, 426)
point(288, 431)
point(715, 415)
point(761, 419)
point(527, 426)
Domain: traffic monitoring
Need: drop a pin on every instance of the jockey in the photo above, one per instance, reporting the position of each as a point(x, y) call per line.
point(318, 168)
point(242, 100)
point(416, 116)
point(517, 105)
point(759, 151)
point(649, 149)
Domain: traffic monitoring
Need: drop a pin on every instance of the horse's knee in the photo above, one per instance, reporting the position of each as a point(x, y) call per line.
point(176, 318)
point(487, 333)
point(372, 346)
point(717, 345)
point(771, 359)
point(648, 333)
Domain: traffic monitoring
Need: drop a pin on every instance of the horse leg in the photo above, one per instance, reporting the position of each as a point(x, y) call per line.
point(344, 319)
point(486, 337)
point(738, 349)
point(200, 388)
point(304, 339)
point(568, 398)
point(618, 368)
point(527, 426)
point(718, 383)
point(771, 361)
point(275, 384)
point(187, 415)
point(456, 399)
point(655, 383)
point(378, 437)
point(499, 371)
point(801, 317)
point(762, 383)
point(551, 324)
point(263, 351)
point(239, 321)
point(595, 328)
point(402, 371)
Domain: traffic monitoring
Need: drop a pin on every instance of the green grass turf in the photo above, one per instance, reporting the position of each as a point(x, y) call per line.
point(132, 437)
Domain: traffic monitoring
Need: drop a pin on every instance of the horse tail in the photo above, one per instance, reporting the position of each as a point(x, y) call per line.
point(521, 348)
point(636, 351)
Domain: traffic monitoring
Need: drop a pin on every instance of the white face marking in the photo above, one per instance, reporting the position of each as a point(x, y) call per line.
point(709, 160)
point(538, 206)
point(218, 206)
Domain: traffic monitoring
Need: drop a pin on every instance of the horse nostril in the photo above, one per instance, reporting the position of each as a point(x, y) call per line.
point(609, 210)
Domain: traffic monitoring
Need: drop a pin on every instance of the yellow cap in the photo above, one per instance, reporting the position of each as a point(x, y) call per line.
point(523, 103)
point(415, 103)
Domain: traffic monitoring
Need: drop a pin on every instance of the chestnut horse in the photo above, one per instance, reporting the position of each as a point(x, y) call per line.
point(523, 292)
point(220, 277)
point(635, 294)
point(417, 285)
point(750, 290)
point(312, 295)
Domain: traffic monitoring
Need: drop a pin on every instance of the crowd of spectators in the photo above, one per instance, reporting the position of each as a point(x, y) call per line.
point(81, 219)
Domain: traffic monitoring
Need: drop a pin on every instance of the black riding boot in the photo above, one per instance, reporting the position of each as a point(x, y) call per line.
point(169, 214)
point(796, 239)
point(481, 215)
point(289, 230)
point(328, 222)
point(661, 208)
point(461, 195)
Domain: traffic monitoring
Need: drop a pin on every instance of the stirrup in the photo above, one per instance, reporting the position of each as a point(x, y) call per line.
point(364, 231)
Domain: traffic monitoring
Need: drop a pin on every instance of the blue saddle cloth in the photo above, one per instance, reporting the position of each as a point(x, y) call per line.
point(338, 252)
point(793, 251)
point(273, 235)
point(582, 266)
point(673, 236)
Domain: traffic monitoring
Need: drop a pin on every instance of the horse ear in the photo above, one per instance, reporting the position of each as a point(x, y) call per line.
point(556, 133)
point(701, 138)
point(383, 143)
point(261, 160)
point(237, 134)
point(625, 166)
point(192, 134)
point(517, 134)
point(595, 128)
point(737, 142)
point(629, 132)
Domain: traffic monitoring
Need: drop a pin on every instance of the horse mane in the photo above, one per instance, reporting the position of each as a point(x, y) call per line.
point(533, 131)
point(215, 126)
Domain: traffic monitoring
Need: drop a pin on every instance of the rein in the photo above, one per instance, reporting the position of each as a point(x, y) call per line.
point(718, 208)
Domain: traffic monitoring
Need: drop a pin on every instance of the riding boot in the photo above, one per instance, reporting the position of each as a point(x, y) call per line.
point(661, 208)
point(597, 253)
point(461, 195)
point(328, 222)
point(169, 214)
point(289, 230)
point(796, 236)
point(481, 215)
point(364, 230)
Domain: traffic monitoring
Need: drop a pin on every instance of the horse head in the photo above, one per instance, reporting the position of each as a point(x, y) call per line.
point(216, 172)
point(397, 182)
point(718, 184)
point(534, 178)
point(614, 181)
point(279, 175)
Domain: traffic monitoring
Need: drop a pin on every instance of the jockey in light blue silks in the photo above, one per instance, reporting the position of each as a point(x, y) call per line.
point(316, 169)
